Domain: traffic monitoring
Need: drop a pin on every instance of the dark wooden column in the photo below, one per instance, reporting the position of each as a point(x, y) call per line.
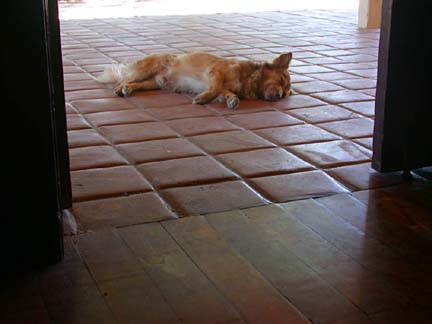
point(34, 150)
point(403, 117)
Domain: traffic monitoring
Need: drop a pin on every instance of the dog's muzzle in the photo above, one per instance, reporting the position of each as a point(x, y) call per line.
point(273, 94)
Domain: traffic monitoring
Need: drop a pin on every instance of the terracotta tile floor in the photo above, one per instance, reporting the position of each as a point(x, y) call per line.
point(182, 159)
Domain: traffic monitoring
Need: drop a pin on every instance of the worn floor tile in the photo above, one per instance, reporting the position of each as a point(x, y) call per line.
point(104, 104)
point(358, 127)
point(322, 114)
point(94, 157)
point(130, 116)
point(137, 132)
point(201, 125)
point(364, 107)
point(264, 120)
point(331, 154)
point(342, 96)
point(121, 211)
point(186, 171)
point(362, 176)
point(263, 162)
point(182, 111)
point(298, 134)
point(145, 99)
point(86, 137)
point(296, 186)
point(159, 150)
point(298, 101)
point(357, 84)
point(234, 141)
point(107, 182)
point(211, 198)
point(75, 122)
point(88, 94)
point(316, 86)
point(245, 107)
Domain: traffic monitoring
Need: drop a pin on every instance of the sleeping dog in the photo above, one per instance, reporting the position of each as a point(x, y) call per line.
point(208, 76)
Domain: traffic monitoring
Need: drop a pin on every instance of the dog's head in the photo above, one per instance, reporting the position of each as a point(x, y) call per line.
point(275, 80)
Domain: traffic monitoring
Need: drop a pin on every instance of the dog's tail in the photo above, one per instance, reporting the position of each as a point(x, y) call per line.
point(116, 73)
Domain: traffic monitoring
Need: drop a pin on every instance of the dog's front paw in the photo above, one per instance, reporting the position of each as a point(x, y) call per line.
point(118, 91)
point(126, 91)
point(198, 100)
point(232, 102)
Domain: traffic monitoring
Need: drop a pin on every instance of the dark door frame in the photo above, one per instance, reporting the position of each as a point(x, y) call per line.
point(403, 119)
point(37, 183)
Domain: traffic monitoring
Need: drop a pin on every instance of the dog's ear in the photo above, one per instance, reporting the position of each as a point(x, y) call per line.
point(282, 61)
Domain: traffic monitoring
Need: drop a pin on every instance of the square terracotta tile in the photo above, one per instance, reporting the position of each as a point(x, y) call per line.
point(75, 122)
point(137, 132)
point(366, 108)
point(185, 172)
point(264, 120)
point(146, 99)
point(315, 86)
point(70, 110)
point(201, 125)
point(298, 134)
point(99, 105)
point(358, 127)
point(357, 84)
point(82, 85)
point(130, 116)
point(332, 76)
point(307, 69)
point(365, 141)
point(295, 186)
point(107, 182)
point(322, 114)
point(245, 107)
point(159, 150)
point(226, 142)
point(92, 68)
point(94, 157)
point(367, 73)
point(298, 78)
point(88, 94)
point(76, 77)
point(72, 69)
point(211, 198)
point(342, 96)
point(330, 154)
point(121, 211)
point(182, 111)
point(369, 92)
point(350, 67)
point(298, 101)
point(263, 162)
point(362, 177)
point(86, 137)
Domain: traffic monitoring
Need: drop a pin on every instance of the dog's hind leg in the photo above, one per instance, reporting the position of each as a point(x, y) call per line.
point(231, 99)
point(213, 91)
point(128, 88)
point(144, 70)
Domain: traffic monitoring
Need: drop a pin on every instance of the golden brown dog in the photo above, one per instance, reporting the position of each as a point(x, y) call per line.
point(208, 76)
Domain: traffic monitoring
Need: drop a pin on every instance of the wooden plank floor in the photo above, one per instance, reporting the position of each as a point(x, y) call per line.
point(348, 258)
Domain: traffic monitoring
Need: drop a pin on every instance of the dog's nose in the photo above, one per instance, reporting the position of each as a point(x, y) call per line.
point(276, 96)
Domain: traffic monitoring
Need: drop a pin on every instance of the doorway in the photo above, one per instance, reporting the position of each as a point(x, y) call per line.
point(155, 156)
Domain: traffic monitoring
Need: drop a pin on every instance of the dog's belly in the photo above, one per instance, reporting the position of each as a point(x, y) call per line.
point(188, 84)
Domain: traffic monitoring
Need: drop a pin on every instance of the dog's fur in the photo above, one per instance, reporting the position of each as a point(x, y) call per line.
point(209, 76)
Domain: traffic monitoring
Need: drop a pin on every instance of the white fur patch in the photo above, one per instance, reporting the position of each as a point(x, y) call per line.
point(188, 84)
